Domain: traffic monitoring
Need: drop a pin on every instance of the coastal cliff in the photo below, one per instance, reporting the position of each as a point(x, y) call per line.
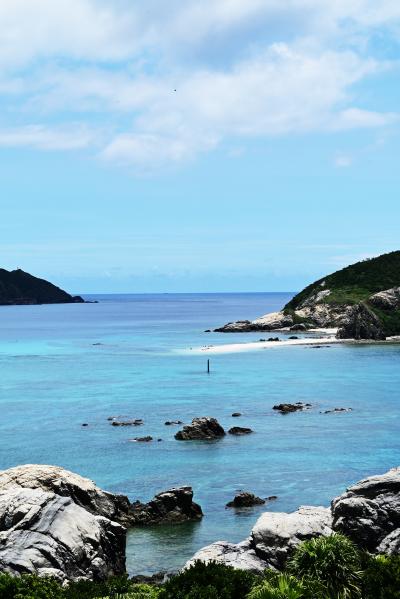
point(18, 287)
point(362, 301)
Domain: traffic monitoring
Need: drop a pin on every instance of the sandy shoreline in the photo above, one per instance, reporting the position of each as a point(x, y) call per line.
point(257, 345)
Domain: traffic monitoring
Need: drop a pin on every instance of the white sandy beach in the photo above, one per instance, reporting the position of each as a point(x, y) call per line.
point(328, 339)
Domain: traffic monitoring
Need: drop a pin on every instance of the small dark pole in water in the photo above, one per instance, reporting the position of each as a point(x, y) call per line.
point(208, 366)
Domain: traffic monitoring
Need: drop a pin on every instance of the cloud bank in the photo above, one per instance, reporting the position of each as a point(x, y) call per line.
point(149, 84)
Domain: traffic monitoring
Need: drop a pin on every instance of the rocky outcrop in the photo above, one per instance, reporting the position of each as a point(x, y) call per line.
point(268, 322)
point(369, 512)
point(204, 428)
point(386, 300)
point(241, 556)
point(50, 528)
point(80, 490)
point(276, 535)
point(287, 408)
point(173, 506)
point(240, 430)
point(361, 323)
point(245, 499)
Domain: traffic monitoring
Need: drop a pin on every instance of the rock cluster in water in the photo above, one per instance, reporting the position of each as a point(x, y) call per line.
point(173, 506)
point(56, 523)
point(368, 513)
point(204, 428)
point(245, 499)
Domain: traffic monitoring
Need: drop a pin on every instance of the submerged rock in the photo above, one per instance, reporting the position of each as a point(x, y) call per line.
point(286, 408)
point(171, 422)
point(236, 414)
point(136, 422)
point(338, 410)
point(146, 439)
point(240, 430)
point(204, 428)
point(245, 499)
point(173, 506)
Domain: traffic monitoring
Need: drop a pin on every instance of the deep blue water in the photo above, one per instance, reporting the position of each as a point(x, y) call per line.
point(54, 377)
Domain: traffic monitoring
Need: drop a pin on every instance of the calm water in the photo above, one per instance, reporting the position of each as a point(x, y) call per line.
point(55, 376)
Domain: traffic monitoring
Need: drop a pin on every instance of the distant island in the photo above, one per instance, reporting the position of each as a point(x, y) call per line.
point(20, 288)
point(361, 301)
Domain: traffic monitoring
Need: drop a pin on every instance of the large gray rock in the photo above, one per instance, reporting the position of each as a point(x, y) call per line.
point(268, 322)
point(241, 556)
point(81, 490)
point(201, 429)
point(361, 323)
point(273, 540)
point(276, 535)
point(369, 512)
point(173, 506)
point(386, 300)
point(48, 534)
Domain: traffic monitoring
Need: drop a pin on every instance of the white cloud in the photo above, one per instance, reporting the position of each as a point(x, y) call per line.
point(241, 70)
point(44, 138)
point(343, 160)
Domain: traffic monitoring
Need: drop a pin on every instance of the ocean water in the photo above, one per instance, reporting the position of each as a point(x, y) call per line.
point(65, 365)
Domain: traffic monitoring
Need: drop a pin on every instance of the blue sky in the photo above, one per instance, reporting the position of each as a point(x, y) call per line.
point(275, 161)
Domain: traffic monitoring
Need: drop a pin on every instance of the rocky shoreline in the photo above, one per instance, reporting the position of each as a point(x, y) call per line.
point(56, 523)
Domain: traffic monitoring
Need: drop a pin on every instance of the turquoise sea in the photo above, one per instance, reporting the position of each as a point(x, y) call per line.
point(64, 365)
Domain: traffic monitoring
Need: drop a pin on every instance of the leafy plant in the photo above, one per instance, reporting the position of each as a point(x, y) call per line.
point(333, 562)
point(209, 581)
point(381, 578)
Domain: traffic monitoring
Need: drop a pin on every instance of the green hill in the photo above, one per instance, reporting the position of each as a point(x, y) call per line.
point(19, 287)
point(354, 283)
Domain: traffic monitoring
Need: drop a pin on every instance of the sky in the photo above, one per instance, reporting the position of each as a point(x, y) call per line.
point(197, 146)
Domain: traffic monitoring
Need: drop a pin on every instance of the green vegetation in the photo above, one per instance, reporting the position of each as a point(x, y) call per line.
point(322, 568)
point(355, 283)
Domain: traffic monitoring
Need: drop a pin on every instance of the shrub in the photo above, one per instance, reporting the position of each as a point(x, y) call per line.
point(279, 587)
point(334, 562)
point(381, 578)
point(209, 581)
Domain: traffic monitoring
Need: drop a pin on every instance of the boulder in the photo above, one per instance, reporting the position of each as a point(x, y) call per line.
point(361, 323)
point(245, 499)
point(268, 322)
point(146, 439)
point(171, 422)
point(369, 512)
point(276, 535)
point(298, 327)
point(241, 556)
point(173, 506)
point(386, 300)
point(136, 422)
point(287, 408)
point(80, 490)
point(51, 535)
point(204, 428)
point(240, 430)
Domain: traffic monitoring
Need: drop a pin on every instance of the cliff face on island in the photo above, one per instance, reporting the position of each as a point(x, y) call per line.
point(361, 300)
point(19, 287)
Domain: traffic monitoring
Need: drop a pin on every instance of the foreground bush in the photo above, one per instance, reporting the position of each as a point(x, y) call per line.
point(209, 581)
point(381, 578)
point(333, 562)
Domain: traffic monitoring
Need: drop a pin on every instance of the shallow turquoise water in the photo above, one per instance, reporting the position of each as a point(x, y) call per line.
point(53, 378)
